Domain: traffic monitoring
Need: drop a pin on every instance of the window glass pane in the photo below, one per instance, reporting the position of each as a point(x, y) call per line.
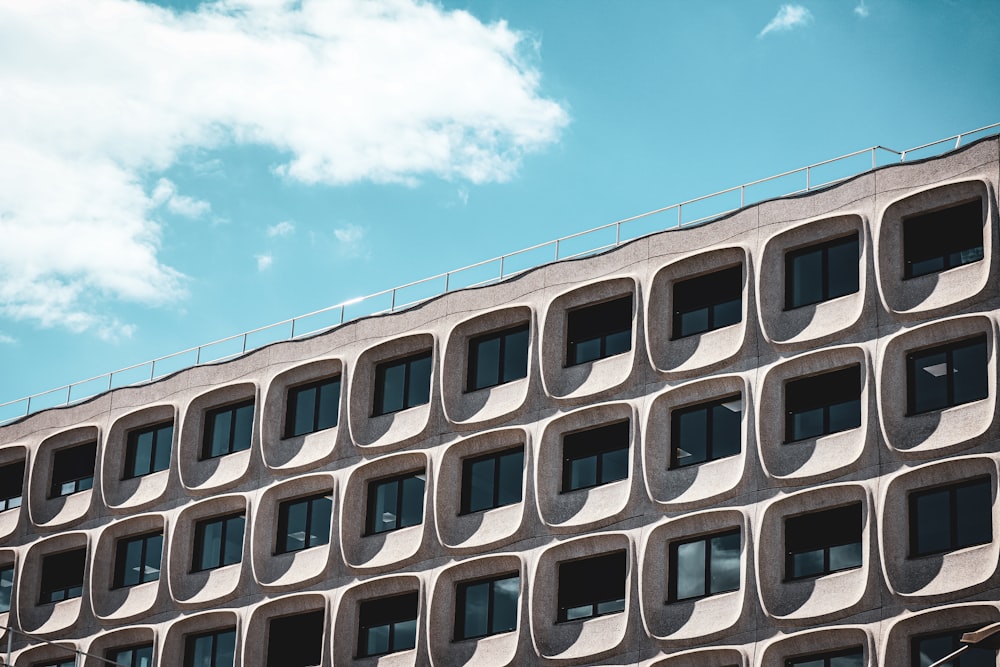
point(6, 587)
point(807, 564)
point(586, 350)
point(143, 453)
point(305, 406)
point(930, 382)
point(725, 575)
point(329, 402)
point(727, 313)
point(405, 636)
point(933, 533)
point(413, 501)
point(481, 484)
point(384, 518)
point(618, 342)
point(693, 322)
point(969, 369)
point(202, 651)
point(221, 426)
point(807, 424)
point(487, 363)
point(845, 556)
point(505, 592)
point(134, 564)
point(154, 552)
point(843, 268)
point(319, 526)
point(692, 431)
point(420, 381)
point(691, 570)
point(973, 514)
point(610, 606)
point(932, 649)
point(377, 640)
point(515, 355)
point(225, 649)
point(211, 545)
point(242, 428)
point(845, 416)
point(806, 276)
point(476, 616)
point(234, 541)
point(583, 473)
point(394, 377)
point(614, 465)
point(143, 657)
point(164, 441)
point(726, 428)
point(295, 520)
point(511, 474)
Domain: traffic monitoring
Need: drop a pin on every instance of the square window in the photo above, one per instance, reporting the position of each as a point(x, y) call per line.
point(598, 331)
point(852, 657)
point(6, 587)
point(822, 542)
point(211, 649)
point(11, 485)
point(132, 656)
point(388, 625)
point(312, 407)
point(295, 641)
point(706, 432)
point(137, 559)
point(708, 302)
point(822, 272)
point(304, 523)
point(487, 606)
point(493, 480)
point(823, 404)
point(925, 650)
point(395, 502)
point(218, 542)
point(947, 375)
point(73, 469)
point(951, 517)
point(928, 248)
point(705, 566)
point(403, 383)
point(595, 457)
point(62, 576)
point(592, 586)
point(497, 358)
point(228, 429)
point(147, 449)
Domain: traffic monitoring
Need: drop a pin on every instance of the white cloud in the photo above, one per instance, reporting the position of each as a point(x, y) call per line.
point(351, 239)
point(7, 340)
point(101, 96)
point(861, 9)
point(283, 228)
point(788, 17)
point(264, 262)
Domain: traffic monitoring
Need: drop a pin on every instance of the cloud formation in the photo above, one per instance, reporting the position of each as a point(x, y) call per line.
point(264, 262)
point(102, 97)
point(787, 18)
point(861, 9)
point(350, 239)
point(283, 228)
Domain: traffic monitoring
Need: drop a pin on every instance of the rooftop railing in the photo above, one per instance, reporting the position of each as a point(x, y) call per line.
point(589, 242)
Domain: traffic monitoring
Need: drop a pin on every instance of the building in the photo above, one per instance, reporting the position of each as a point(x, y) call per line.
point(766, 441)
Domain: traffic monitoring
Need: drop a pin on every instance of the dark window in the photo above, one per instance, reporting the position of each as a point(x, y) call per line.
point(498, 357)
point(11, 485)
point(133, 656)
point(947, 375)
point(821, 272)
point(823, 404)
point(211, 649)
point(6, 587)
point(148, 450)
point(403, 383)
point(943, 239)
point(951, 517)
point(388, 625)
point(592, 586)
point(823, 542)
point(73, 469)
point(487, 607)
point(599, 331)
point(705, 566)
point(925, 650)
point(493, 480)
point(304, 523)
point(708, 302)
point(706, 432)
point(228, 429)
point(137, 559)
point(218, 542)
point(62, 576)
point(596, 456)
point(312, 407)
point(396, 502)
point(68, 662)
point(852, 657)
point(295, 641)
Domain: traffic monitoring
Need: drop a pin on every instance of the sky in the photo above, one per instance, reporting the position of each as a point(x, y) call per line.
point(175, 172)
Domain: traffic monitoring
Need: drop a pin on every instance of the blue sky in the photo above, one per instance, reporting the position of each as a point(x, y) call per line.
point(176, 172)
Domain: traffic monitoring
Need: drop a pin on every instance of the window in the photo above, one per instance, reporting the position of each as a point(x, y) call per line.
point(498, 357)
point(947, 375)
point(148, 450)
point(925, 650)
point(388, 625)
point(403, 383)
point(6, 587)
point(596, 456)
point(396, 502)
point(493, 480)
point(11, 485)
point(137, 559)
point(211, 649)
point(295, 641)
point(62, 576)
point(487, 607)
point(68, 662)
point(592, 586)
point(708, 302)
point(852, 657)
point(133, 656)
point(73, 469)
point(218, 542)
point(928, 249)
point(705, 566)
point(823, 542)
point(951, 517)
point(304, 523)
point(312, 407)
point(599, 331)
point(822, 272)
point(706, 432)
point(823, 404)
point(228, 429)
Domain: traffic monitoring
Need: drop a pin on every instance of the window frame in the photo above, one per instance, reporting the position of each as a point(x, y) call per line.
point(503, 336)
point(7, 487)
point(935, 246)
point(707, 291)
point(407, 362)
point(599, 322)
point(292, 406)
point(132, 447)
point(322, 537)
point(397, 614)
point(114, 654)
point(825, 271)
point(708, 407)
point(197, 552)
point(80, 482)
point(825, 656)
point(7, 575)
point(806, 395)
point(461, 600)
point(913, 357)
point(588, 443)
point(674, 573)
point(583, 582)
point(189, 646)
point(121, 557)
point(465, 506)
point(825, 536)
point(62, 562)
point(399, 481)
point(302, 622)
point(955, 637)
point(231, 448)
point(954, 512)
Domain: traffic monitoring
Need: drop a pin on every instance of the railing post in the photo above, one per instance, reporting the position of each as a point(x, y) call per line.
point(152, 370)
point(27, 408)
point(808, 179)
point(342, 307)
point(742, 195)
point(958, 141)
point(447, 281)
point(680, 207)
point(557, 250)
point(618, 233)
point(69, 392)
point(110, 379)
point(392, 303)
point(292, 332)
point(197, 356)
point(501, 266)
point(874, 162)
point(244, 342)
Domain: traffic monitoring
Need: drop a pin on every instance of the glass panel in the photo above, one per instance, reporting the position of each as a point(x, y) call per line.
point(201, 654)
point(487, 363)
point(807, 424)
point(934, 648)
point(211, 545)
point(515, 356)
point(843, 268)
point(481, 484)
point(225, 649)
point(845, 556)
point(243, 428)
point(505, 593)
point(133, 565)
point(384, 518)
point(154, 552)
point(614, 465)
point(691, 570)
point(377, 640)
point(618, 342)
point(583, 473)
point(583, 611)
point(234, 541)
point(932, 522)
point(726, 431)
point(413, 501)
point(295, 535)
point(728, 313)
point(808, 663)
point(845, 416)
point(692, 429)
point(476, 612)
point(164, 441)
point(511, 474)
point(143, 453)
point(305, 409)
point(969, 372)
point(393, 378)
point(6, 588)
point(973, 514)
point(930, 382)
point(420, 381)
point(405, 636)
point(725, 572)
point(319, 526)
point(693, 322)
point(611, 606)
point(806, 278)
point(586, 350)
point(221, 424)
point(807, 564)
point(329, 403)
point(850, 660)
point(142, 657)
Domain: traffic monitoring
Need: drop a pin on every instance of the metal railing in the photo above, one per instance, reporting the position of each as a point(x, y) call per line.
point(589, 242)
